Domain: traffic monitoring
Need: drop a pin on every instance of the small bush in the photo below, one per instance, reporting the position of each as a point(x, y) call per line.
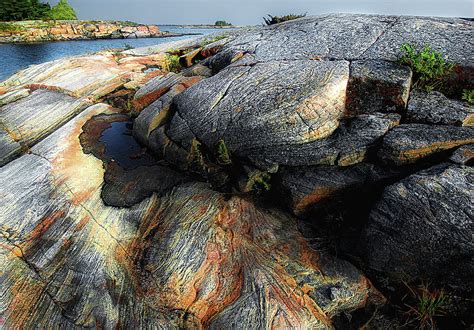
point(9, 27)
point(208, 41)
point(429, 66)
point(468, 95)
point(259, 182)
point(223, 154)
point(128, 46)
point(172, 63)
point(279, 19)
point(195, 156)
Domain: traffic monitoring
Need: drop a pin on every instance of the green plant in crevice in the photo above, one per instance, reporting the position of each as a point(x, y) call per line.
point(428, 65)
point(280, 19)
point(468, 95)
point(196, 155)
point(208, 41)
point(172, 63)
point(427, 305)
point(223, 154)
point(259, 181)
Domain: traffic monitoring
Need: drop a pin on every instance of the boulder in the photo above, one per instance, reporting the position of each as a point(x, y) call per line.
point(13, 95)
point(268, 105)
point(463, 155)
point(434, 108)
point(9, 148)
point(32, 118)
point(423, 227)
point(377, 86)
point(155, 115)
point(158, 86)
point(350, 144)
point(409, 143)
point(311, 187)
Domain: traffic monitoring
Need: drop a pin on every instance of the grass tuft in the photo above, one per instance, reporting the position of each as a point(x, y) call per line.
point(280, 19)
point(259, 182)
point(223, 154)
point(468, 95)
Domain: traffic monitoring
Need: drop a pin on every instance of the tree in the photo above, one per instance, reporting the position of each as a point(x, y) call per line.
point(63, 11)
point(18, 10)
point(222, 23)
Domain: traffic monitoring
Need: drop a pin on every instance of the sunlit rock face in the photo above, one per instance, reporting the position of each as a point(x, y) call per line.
point(186, 202)
point(192, 258)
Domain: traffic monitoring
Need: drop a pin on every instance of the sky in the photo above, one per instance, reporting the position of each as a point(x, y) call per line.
point(250, 12)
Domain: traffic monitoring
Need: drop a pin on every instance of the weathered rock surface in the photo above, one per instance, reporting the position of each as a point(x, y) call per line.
point(463, 155)
point(312, 187)
point(409, 143)
point(95, 231)
point(350, 144)
point(267, 105)
point(195, 253)
point(423, 227)
point(32, 118)
point(435, 108)
point(378, 86)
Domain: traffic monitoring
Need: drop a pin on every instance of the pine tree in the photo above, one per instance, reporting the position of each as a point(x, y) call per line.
point(63, 11)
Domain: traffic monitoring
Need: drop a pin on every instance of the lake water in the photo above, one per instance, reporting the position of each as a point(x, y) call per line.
point(14, 57)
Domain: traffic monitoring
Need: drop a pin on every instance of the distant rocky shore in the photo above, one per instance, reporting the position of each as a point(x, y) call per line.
point(35, 31)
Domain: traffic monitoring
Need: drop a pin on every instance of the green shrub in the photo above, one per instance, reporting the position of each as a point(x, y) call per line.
point(429, 66)
point(468, 95)
point(223, 154)
point(208, 41)
point(172, 63)
point(279, 19)
point(63, 11)
point(9, 27)
point(259, 182)
point(222, 23)
point(196, 155)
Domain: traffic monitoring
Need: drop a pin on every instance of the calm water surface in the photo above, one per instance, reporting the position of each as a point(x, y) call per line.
point(14, 57)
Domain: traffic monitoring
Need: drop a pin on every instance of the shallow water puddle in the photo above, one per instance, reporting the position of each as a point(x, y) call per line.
point(122, 147)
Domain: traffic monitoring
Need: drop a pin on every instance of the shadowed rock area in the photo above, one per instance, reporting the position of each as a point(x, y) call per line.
point(267, 183)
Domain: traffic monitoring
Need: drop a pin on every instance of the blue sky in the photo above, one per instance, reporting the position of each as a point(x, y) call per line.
point(251, 11)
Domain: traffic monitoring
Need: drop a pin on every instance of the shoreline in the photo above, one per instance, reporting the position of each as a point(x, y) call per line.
point(41, 31)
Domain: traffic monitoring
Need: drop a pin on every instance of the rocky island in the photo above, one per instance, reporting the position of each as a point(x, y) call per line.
point(35, 31)
point(289, 176)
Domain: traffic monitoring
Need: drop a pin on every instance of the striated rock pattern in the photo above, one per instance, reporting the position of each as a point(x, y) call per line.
point(409, 143)
point(34, 31)
point(378, 86)
point(435, 108)
point(423, 227)
point(190, 259)
point(170, 206)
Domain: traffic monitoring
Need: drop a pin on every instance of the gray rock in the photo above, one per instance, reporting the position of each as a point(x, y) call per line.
point(309, 187)
point(377, 86)
point(155, 115)
point(409, 143)
point(39, 114)
point(13, 95)
point(423, 227)
point(349, 144)
point(435, 108)
point(161, 144)
point(9, 148)
point(267, 105)
point(463, 155)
